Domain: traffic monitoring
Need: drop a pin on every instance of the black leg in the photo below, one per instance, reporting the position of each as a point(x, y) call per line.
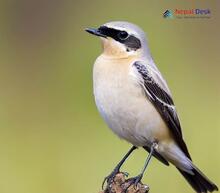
point(110, 177)
point(137, 179)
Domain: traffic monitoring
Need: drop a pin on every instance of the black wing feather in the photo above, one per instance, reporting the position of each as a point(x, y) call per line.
point(164, 105)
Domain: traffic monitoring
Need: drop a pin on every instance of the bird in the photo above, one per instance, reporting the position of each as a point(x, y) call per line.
point(136, 103)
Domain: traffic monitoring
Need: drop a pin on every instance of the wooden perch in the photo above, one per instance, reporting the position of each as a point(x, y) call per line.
point(120, 184)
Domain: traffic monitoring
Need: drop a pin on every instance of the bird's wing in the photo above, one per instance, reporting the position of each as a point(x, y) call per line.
point(158, 93)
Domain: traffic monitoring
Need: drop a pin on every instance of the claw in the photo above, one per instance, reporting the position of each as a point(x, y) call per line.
point(133, 181)
point(126, 174)
point(109, 178)
point(103, 183)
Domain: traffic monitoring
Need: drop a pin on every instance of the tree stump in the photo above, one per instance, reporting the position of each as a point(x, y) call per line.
point(120, 185)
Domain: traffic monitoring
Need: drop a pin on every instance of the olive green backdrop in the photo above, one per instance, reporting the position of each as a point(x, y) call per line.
point(52, 139)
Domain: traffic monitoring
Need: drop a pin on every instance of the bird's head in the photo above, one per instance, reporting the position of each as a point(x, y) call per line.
point(121, 39)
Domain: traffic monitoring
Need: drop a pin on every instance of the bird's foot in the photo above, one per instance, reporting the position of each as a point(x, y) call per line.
point(110, 178)
point(133, 181)
point(120, 185)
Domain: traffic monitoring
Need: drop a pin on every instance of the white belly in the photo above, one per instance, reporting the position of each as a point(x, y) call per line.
point(124, 106)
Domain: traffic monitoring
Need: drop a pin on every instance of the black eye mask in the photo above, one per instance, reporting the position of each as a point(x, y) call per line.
point(130, 41)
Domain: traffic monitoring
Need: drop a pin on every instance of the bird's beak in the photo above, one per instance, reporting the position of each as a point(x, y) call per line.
point(95, 32)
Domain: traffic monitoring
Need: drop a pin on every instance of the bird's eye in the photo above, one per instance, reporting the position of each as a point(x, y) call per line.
point(123, 35)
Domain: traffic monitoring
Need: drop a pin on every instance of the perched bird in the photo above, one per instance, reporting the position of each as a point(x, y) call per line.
point(134, 100)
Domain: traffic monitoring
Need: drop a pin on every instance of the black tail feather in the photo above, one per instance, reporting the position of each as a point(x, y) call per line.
point(198, 181)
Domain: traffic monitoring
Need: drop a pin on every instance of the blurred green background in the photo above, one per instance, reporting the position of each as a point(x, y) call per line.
point(52, 139)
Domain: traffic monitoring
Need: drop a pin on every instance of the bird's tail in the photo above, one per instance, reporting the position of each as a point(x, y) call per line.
point(199, 182)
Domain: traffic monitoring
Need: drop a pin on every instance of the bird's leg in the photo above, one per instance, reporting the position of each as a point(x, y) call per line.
point(135, 180)
point(111, 176)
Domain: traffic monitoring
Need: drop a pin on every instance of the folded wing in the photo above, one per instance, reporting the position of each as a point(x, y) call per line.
point(158, 93)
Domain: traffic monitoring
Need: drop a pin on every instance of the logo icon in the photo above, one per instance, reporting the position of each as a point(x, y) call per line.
point(168, 14)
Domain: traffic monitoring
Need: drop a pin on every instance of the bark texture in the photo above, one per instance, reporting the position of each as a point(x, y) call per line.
point(120, 184)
